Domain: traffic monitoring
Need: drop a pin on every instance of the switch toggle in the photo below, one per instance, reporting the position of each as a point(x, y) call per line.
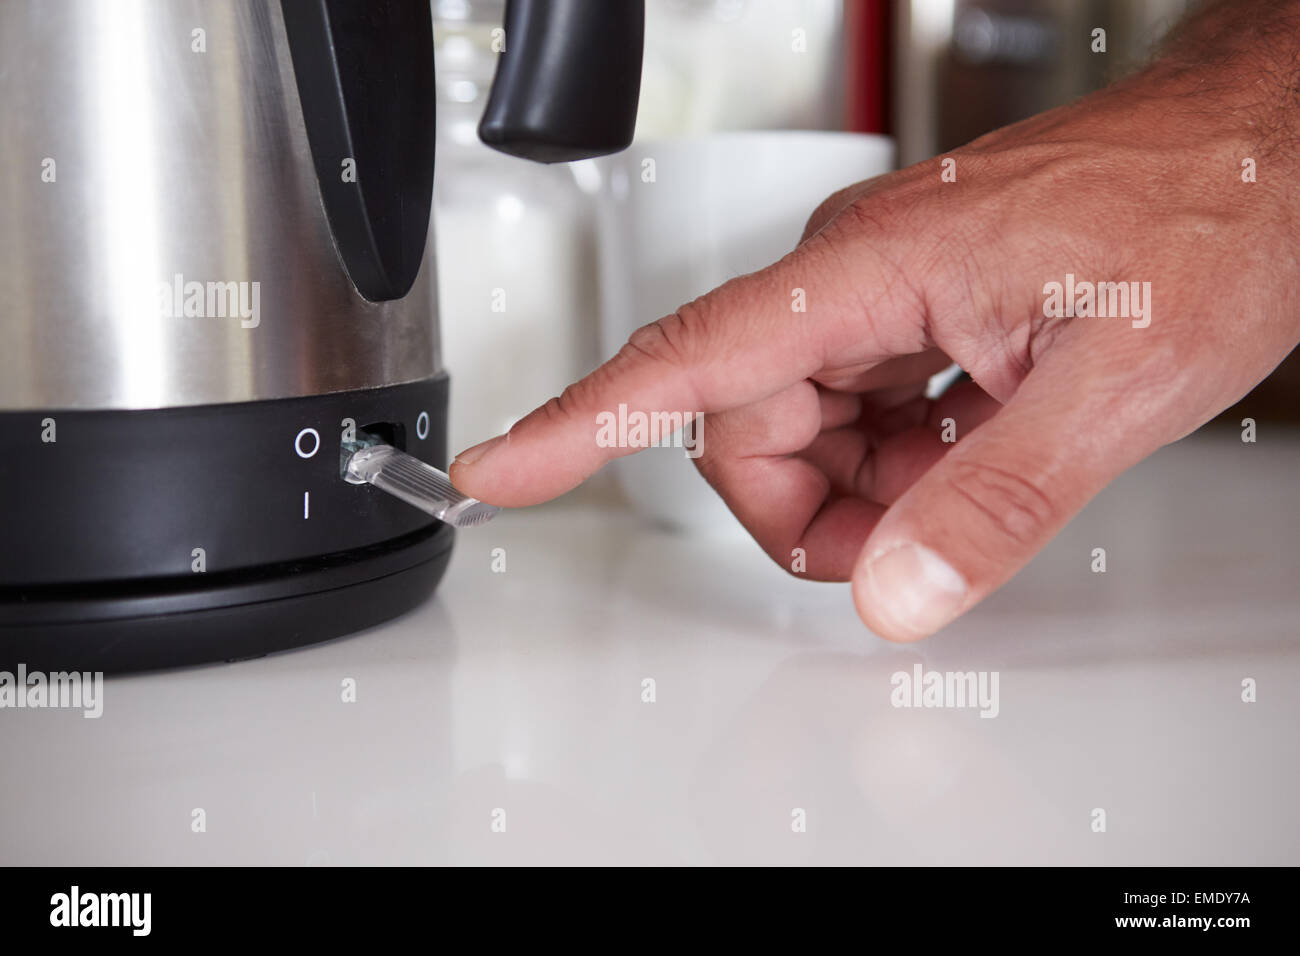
point(417, 483)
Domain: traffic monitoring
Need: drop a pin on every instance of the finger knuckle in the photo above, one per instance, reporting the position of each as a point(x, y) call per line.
point(867, 213)
point(674, 340)
point(583, 398)
point(826, 210)
point(562, 407)
point(1013, 508)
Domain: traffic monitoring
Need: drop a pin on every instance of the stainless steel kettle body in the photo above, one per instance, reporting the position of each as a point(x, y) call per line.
point(215, 268)
point(146, 141)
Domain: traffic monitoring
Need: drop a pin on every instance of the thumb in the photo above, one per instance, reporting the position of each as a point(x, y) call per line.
point(998, 496)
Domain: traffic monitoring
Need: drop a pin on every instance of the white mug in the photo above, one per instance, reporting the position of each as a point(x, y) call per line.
point(676, 218)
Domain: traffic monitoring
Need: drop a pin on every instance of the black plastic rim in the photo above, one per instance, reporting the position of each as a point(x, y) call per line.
point(235, 616)
point(103, 523)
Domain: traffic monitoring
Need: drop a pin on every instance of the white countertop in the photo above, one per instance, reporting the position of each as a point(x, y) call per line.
point(522, 691)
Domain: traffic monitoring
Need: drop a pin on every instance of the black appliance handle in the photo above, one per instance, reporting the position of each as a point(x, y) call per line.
point(364, 72)
point(568, 80)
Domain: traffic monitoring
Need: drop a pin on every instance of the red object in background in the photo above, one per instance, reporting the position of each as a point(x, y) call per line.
point(868, 68)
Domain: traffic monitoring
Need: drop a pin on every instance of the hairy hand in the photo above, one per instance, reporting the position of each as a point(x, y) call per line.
point(817, 433)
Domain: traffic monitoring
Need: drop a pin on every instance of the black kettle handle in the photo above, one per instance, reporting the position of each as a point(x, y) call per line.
point(364, 72)
point(568, 79)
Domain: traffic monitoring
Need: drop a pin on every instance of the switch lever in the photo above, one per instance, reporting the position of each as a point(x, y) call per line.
point(417, 483)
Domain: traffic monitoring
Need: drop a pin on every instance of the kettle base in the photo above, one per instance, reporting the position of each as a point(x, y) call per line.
point(162, 537)
point(232, 616)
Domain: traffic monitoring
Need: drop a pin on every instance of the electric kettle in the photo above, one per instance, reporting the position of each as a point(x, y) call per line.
point(216, 277)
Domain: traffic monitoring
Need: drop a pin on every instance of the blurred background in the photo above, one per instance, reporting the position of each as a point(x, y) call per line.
point(520, 245)
point(525, 690)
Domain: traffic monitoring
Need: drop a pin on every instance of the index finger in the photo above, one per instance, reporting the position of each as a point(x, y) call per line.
point(744, 341)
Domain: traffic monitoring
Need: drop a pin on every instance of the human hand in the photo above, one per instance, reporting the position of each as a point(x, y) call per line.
point(817, 433)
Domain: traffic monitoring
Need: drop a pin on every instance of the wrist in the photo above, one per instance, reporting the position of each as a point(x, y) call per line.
point(1236, 66)
point(1226, 92)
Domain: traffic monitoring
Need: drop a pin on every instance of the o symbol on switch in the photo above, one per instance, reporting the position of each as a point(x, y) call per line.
point(315, 446)
point(422, 426)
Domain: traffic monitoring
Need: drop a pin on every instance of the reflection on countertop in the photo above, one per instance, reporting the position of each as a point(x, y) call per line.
point(519, 699)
